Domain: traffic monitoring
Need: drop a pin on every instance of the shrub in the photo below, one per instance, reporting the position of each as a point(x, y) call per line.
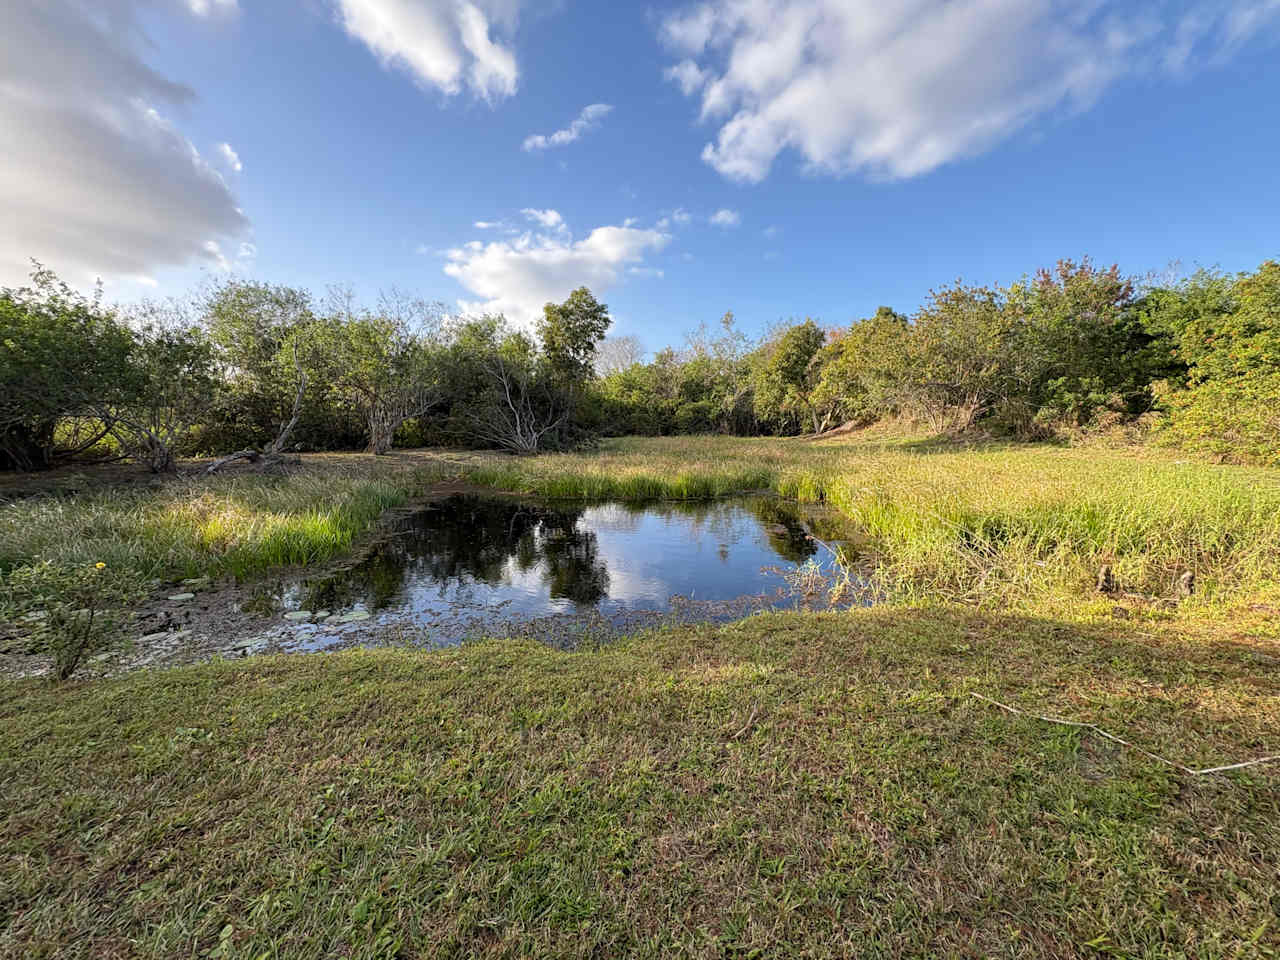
point(71, 611)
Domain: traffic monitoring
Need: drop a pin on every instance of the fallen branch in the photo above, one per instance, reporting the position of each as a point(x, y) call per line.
point(1125, 743)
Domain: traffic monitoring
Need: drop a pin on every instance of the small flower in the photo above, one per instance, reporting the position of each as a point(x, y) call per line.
point(99, 566)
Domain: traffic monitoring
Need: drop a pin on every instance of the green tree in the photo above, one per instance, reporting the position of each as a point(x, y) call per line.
point(862, 370)
point(61, 355)
point(569, 333)
point(961, 357)
point(785, 374)
point(168, 386)
point(387, 362)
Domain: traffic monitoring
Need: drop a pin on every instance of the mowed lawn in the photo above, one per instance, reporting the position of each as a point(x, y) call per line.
point(790, 785)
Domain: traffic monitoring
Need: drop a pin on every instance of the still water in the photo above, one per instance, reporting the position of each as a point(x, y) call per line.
point(468, 565)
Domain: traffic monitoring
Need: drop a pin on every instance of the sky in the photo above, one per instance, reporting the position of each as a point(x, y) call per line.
point(775, 158)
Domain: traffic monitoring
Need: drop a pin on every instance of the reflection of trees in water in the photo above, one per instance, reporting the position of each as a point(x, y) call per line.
point(464, 537)
point(784, 524)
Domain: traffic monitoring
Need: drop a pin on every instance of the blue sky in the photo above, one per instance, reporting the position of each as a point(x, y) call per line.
point(857, 152)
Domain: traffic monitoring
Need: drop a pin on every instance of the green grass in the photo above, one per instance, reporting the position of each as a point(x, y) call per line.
point(239, 526)
point(791, 785)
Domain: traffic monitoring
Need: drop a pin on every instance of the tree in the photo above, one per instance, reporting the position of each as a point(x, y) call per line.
point(569, 333)
point(60, 356)
point(961, 357)
point(1079, 345)
point(387, 361)
point(1231, 406)
point(525, 407)
point(785, 375)
point(615, 354)
point(168, 386)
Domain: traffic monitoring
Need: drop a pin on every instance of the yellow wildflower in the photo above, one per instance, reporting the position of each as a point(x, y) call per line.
point(99, 565)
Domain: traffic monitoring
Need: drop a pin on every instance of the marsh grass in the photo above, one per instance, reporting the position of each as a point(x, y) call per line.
point(238, 526)
point(993, 524)
point(999, 525)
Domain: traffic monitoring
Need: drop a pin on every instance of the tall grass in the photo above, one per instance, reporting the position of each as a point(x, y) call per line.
point(239, 526)
point(993, 524)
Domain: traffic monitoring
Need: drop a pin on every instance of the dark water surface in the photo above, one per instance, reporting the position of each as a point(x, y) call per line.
point(472, 565)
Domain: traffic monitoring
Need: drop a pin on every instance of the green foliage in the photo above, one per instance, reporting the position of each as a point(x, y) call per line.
point(166, 386)
point(784, 373)
point(1079, 346)
point(70, 611)
point(387, 362)
point(1229, 337)
point(267, 337)
point(61, 356)
point(569, 333)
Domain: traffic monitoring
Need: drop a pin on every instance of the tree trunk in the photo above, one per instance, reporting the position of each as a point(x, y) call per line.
point(381, 433)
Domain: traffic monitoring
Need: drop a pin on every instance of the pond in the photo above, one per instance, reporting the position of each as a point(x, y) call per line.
point(568, 573)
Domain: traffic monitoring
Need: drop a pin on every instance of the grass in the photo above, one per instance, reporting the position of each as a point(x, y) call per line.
point(220, 526)
point(998, 524)
point(791, 785)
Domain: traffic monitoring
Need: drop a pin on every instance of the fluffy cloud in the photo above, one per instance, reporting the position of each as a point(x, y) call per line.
point(446, 44)
point(517, 277)
point(588, 119)
point(726, 218)
point(896, 88)
point(95, 181)
point(230, 157)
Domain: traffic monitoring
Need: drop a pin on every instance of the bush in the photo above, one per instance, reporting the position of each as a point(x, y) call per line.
point(71, 612)
point(1235, 420)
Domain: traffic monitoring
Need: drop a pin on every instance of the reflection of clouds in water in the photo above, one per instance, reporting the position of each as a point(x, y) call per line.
point(612, 516)
point(632, 587)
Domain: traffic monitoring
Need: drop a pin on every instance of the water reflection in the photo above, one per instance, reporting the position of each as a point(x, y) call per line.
point(469, 564)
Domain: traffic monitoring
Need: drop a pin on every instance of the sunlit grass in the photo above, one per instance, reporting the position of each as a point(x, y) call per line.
point(992, 524)
point(238, 526)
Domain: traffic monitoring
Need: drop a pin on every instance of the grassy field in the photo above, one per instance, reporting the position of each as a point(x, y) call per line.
point(790, 785)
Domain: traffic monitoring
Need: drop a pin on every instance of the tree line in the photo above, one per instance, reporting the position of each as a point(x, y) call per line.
point(1065, 350)
point(249, 369)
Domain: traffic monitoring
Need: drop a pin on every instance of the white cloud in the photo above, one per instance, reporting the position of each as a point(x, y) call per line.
point(98, 183)
point(770, 231)
point(216, 256)
point(550, 219)
point(203, 8)
point(687, 75)
point(517, 277)
point(230, 157)
point(485, 225)
point(588, 119)
point(726, 218)
point(679, 216)
point(446, 44)
point(896, 88)
point(646, 272)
